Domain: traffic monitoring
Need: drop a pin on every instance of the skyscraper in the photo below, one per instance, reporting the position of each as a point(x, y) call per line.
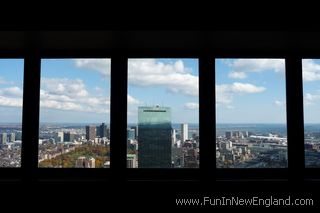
point(3, 138)
point(69, 136)
point(154, 126)
point(228, 135)
point(90, 132)
point(12, 137)
point(59, 136)
point(98, 134)
point(184, 132)
point(130, 134)
point(103, 130)
point(135, 128)
point(173, 137)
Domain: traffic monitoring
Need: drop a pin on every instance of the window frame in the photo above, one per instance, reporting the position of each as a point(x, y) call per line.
point(205, 46)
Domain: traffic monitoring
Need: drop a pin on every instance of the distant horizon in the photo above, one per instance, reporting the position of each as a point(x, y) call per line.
point(19, 123)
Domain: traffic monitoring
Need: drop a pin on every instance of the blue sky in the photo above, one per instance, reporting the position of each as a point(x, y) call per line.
point(75, 90)
point(11, 85)
point(78, 90)
point(311, 90)
point(250, 91)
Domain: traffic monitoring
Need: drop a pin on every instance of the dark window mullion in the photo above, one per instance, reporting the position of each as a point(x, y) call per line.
point(295, 125)
point(30, 117)
point(207, 116)
point(118, 116)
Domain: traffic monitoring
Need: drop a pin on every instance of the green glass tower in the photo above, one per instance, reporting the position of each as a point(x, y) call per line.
point(154, 129)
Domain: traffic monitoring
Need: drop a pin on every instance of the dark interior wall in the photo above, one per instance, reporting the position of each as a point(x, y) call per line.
point(276, 43)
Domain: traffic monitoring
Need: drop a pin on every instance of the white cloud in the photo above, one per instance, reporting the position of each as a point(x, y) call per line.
point(10, 96)
point(246, 88)
point(223, 94)
point(61, 105)
point(11, 91)
point(310, 99)
point(132, 100)
point(237, 75)
point(61, 94)
point(64, 86)
point(226, 92)
point(240, 67)
point(10, 102)
point(100, 65)
point(279, 103)
point(175, 77)
point(258, 65)
point(311, 70)
point(71, 94)
point(3, 81)
point(191, 106)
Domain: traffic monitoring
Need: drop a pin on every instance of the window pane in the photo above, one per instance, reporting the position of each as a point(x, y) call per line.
point(11, 92)
point(311, 92)
point(163, 123)
point(251, 129)
point(74, 113)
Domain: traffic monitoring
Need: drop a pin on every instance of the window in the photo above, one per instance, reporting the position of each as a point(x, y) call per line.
point(251, 113)
point(311, 92)
point(74, 113)
point(11, 92)
point(163, 121)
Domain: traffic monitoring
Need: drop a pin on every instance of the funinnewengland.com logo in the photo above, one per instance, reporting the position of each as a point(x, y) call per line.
point(250, 201)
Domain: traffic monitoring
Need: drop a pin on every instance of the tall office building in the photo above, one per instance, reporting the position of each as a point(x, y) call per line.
point(236, 134)
point(3, 138)
point(18, 135)
point(130, 134)
point(228, 135)
point(69, 136)
point(154, 127)
point(59, 136)
point(90, 132)
point(12, 137)
point(173, 137)
point(103, 131)
point(135, 128)
point(184, 132)
point(98, 131)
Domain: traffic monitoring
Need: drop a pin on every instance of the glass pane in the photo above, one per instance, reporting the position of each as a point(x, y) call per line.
point(251, 130)
point(311, 92)
point(74, 113)
point(163, 122)
point(11, 92)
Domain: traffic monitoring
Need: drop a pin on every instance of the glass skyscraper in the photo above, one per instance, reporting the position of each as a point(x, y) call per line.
point(154, 126)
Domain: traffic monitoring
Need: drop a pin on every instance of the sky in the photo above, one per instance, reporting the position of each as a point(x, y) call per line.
point(11, 90)
point(78, 90)
point(311, 90)
point(165, 82)
point(250, 91)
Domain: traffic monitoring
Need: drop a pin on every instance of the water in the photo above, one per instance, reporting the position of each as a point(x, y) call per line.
point(255, 128)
